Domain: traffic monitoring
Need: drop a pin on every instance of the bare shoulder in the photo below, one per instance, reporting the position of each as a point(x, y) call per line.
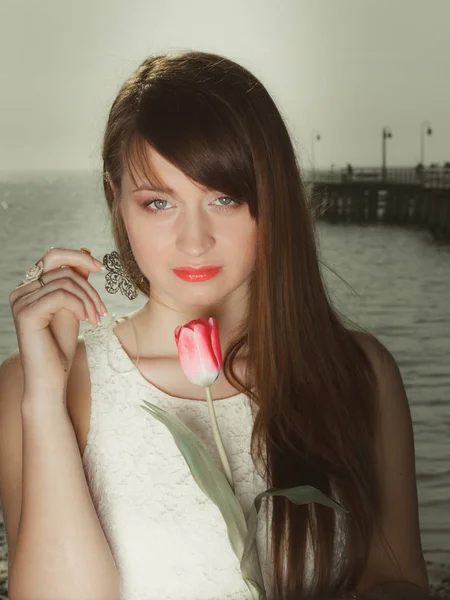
point(11, 393)
point(78, 394)
point(391, 393)
point(11, 378)
point(379, 356)
point(11, 364)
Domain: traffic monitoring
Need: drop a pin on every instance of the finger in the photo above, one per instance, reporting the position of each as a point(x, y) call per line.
point(67, 284)
point(63, 324)
point(59, 274)
point(55, 258)
point(80, 280)
point(41, 311)
point(82, 271)
point(35, 337)
point(101, 306)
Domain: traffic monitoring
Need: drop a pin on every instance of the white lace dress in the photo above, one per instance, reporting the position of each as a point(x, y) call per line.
point(168, 539)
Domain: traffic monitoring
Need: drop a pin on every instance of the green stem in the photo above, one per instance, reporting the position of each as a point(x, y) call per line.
point(217, 437)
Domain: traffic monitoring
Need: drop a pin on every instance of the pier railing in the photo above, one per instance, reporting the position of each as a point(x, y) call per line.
point(396, 196)
point(430, 177)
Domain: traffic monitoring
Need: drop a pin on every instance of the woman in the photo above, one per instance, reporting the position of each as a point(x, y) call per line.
point(199, 170)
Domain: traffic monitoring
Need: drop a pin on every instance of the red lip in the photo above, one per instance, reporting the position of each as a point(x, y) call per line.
point(201, 274)
point(197, 269)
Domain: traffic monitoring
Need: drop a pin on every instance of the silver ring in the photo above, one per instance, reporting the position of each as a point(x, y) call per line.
point(41, 282)
point(33, 273)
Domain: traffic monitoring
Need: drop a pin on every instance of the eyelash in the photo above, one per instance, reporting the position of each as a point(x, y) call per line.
point(147, 206)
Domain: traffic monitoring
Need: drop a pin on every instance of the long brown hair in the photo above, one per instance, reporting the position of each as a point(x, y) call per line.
point(314, 385)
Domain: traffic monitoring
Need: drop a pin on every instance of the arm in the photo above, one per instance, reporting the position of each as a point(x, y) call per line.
point(398, 571)
point(56, 544)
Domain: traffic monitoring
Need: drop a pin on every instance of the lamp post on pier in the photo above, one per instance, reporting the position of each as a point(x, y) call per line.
point(429, 131)
point(314, 136)
point(387, 133)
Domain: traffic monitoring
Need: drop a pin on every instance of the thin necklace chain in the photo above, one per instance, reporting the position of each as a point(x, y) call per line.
point(108, 340)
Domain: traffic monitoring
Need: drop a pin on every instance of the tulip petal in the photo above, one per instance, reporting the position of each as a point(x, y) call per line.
point(189, 356)
point(204, 346)
point(196, 355)
point(215, 341)
point(199, 351)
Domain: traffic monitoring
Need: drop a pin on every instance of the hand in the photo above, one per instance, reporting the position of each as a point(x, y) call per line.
point(47, 319)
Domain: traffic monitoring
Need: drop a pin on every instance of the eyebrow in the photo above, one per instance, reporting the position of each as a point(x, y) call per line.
point(152, 188)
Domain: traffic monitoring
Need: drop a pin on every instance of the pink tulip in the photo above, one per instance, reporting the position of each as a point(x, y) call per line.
point(199, 351)
point(200, 357)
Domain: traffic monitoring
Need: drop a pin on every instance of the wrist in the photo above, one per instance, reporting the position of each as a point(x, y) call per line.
point(40, 405)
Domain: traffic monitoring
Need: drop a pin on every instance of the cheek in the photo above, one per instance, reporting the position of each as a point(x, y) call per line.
point(147, 246)
point(243, 245)
point(152, 246)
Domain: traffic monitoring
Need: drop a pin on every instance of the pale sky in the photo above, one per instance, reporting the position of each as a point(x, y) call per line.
point(345, 68)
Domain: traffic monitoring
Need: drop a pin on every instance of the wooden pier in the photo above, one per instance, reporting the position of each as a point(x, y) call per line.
point(397, 196)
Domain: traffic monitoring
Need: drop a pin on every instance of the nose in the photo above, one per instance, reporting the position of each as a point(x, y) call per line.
point(195, 236)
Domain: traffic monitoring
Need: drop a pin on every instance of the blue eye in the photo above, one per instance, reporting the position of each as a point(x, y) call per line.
point(148, 203)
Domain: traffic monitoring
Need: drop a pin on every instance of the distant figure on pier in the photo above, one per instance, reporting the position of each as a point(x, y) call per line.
point(348, 174)
point(419, 173)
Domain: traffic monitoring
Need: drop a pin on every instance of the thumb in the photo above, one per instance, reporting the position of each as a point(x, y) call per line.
point(65, 327)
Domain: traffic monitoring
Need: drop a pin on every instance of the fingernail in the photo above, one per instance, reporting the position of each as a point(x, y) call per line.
point(98, 262)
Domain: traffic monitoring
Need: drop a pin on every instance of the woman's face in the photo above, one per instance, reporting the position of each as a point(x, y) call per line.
point(186, 225)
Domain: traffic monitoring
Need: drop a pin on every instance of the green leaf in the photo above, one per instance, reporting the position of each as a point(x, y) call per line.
point(215, 485)
point(303, 494)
